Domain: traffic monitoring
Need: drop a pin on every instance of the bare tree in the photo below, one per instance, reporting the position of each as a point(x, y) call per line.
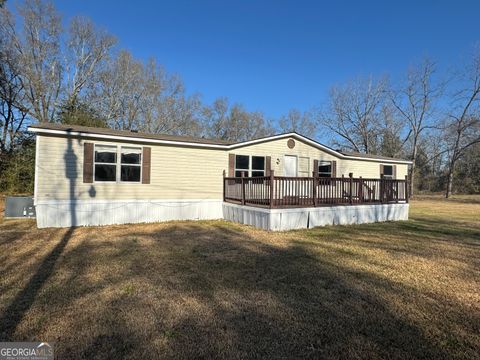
point(215, 118)
point(39, 57)
point(133, 95)
point(234, 122)
point(120, 91)
point(415, 104)
point(166, 108)
point(390, 129)
point(180, 114)
point(299, 122)
point(87, 49)
point(467, 171)
point(12, 93)
point(353, 114)
point(463, 127)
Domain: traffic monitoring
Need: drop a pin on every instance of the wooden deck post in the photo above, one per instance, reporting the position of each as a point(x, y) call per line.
point(396, 191)
point(406, 189)
point(243, 187)
point(272, 188)
point(382, 189)
point(350, 175)
point(360, 189)
point(314, 188)
point(224, 184)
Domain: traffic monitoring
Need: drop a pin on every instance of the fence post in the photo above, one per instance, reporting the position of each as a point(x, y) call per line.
point(243, 188)
point(396, 191)
point(360, 189)
point(314, 188)
point(350, 175)
point(382, 189)
point(343, 187)
point(272, 188)
point(406, 189)
point(224, 184)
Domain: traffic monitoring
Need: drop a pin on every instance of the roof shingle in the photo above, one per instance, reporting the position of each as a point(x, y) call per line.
point(126, 133)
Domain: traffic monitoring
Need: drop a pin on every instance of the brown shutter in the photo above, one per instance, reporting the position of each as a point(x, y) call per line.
point(334, 169)
point(88, 162)
point(268, 165)
point(381, 170)
point(394, 171)
point(146, 165)
point(231, 165)
point(315, 168)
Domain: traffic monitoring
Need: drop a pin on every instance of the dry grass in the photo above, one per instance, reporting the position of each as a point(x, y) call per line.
point(220, 290)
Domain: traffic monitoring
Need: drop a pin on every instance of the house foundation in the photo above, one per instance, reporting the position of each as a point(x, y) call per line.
point(309, 217)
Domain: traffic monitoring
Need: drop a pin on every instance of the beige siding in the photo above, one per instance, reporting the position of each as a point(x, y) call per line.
point(176, 172)
point(277, 149)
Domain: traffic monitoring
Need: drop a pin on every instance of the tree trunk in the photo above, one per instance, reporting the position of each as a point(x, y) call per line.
point(412, 169)
point(412, 178)
point(450, 179)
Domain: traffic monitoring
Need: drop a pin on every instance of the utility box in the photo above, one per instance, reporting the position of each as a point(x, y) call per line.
point(19, 207)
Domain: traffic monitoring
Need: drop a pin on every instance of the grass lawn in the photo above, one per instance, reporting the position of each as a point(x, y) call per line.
point(220, 290)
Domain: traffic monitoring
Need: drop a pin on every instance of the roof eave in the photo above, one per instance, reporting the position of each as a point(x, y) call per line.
point(123, 138)
point(213, 146)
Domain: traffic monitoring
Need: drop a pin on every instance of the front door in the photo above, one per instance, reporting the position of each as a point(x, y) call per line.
point(290, 168)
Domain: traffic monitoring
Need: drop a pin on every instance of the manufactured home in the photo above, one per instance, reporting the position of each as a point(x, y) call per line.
point(94, 176)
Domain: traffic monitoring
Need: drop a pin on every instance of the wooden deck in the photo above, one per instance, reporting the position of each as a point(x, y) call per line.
point(290, 192)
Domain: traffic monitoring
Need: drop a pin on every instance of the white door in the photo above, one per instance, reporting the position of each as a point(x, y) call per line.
point(290, 167)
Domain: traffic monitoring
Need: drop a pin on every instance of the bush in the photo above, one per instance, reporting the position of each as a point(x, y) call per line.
point(17, 169)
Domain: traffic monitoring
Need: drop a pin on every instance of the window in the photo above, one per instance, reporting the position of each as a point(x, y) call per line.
point(249, 165)
point(325, 169)
point(110, 167)
point(258, 166)
point(105, 163)
point(242, 164)
point(388, 171)
point(131, 164)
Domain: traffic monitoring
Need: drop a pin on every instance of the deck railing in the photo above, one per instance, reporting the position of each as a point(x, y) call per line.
point(283, 192)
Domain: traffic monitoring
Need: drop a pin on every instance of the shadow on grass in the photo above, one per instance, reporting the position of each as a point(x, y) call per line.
point(22, 302)
point(215, 290)
point(278, 302)
point(24, 299)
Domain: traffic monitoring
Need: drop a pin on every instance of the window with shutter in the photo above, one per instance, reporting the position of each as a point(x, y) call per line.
point(112, 163)
point(325, 169)
point(388, 171)
point(249, 165)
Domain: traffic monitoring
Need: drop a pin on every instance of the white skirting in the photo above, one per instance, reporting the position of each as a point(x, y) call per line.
point(65, 213)
point(305, 218)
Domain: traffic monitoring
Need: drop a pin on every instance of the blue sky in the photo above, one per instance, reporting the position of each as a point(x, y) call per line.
point(276, 55)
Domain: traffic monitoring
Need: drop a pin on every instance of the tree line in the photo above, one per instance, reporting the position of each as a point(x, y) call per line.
point(77, 74)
